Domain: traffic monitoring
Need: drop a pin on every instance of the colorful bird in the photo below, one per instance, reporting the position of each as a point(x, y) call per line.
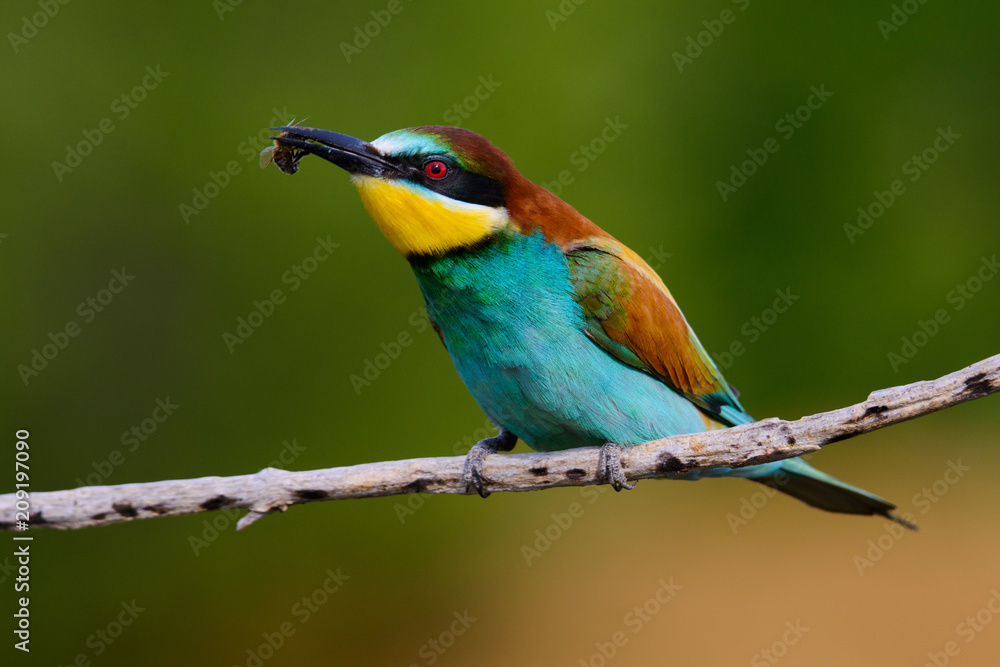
point(564, 336)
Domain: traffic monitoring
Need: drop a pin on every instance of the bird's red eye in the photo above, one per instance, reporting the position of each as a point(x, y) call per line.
point(436, 169)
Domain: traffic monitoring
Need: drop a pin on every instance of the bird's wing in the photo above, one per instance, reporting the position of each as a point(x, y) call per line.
point(632, 316)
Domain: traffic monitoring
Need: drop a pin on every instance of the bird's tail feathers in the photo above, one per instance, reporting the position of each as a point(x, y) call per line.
point(800, 480)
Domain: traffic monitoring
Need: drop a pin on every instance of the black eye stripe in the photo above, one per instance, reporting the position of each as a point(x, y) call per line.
point(457, 183)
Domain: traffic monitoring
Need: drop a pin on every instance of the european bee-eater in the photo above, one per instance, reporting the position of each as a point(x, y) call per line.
point(565, 337)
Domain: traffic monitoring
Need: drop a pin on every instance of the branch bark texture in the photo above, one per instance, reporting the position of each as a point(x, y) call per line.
point(272, 490)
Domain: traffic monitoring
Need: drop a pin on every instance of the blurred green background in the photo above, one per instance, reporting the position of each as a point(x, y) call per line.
point(787, 582)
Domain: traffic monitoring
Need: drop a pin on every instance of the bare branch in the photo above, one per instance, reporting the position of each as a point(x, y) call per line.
point(273, 490)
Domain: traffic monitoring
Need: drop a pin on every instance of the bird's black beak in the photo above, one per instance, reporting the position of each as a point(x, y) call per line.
point(353, 155)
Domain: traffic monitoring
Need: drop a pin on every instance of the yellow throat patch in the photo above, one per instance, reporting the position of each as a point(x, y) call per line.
point(421, 222)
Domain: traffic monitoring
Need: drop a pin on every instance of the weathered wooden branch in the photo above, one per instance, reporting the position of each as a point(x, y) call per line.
point(272, 490)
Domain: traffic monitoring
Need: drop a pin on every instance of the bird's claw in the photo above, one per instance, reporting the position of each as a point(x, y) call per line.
point(609, 467)
point(473, 475)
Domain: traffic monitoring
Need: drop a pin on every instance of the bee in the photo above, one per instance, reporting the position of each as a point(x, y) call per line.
point(286, 157)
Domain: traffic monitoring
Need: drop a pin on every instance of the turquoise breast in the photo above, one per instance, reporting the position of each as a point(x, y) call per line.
point(516, 336)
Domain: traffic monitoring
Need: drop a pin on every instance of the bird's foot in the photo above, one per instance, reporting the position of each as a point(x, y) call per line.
point(609, 467)
point(473, 474)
